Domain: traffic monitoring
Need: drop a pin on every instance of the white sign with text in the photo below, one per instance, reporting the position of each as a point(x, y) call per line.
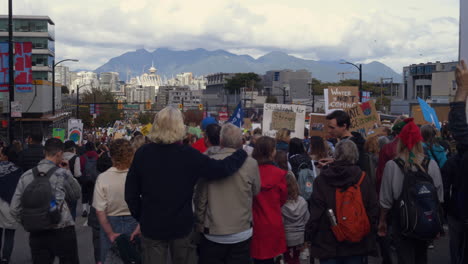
point(277, 116)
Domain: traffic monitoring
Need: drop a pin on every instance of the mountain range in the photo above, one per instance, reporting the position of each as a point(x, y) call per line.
point(201, 62)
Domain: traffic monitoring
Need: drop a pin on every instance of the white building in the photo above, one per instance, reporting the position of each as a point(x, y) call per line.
point(109, 81)
point(85, 81)
point(63, 76)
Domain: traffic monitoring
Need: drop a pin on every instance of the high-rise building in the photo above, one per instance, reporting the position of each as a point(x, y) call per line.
point(85, 81)
point(288, 85)
point(63, 76)
point(109, 81)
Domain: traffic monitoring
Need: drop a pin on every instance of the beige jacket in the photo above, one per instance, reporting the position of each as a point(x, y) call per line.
point(224, 207)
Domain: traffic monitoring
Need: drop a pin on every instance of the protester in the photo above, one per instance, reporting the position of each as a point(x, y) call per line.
point(30, 157)
point(283, 136)
point(74, 167)
point(269, 238)
point(15, 149)
point(104, 161)
point(298, 157)
point(335, 177)
point(372, 150)
point(89, 171)
point(454, 172)
point(281, 161)
point(138, 141)
point(432, 148)
point(159, 188)
point(410, 153)
point(306, 140)
point(339, 124)
point(227, 222)
point(318, 150)
point(109, 201)
point(200, 143)
point(9, 177)
point(295, 216)
point(59, 238)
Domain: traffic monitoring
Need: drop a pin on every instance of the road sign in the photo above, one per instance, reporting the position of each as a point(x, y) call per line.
point(16, 109)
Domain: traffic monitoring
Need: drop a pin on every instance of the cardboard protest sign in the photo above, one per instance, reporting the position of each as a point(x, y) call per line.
point(376, 132)
point(247, 123)
point(318, 125)
point(58, 133)
point(75, 130)
point(341, 97)
point(118, 135)
point(277, 116)
point(364, 117)
point(146, 129)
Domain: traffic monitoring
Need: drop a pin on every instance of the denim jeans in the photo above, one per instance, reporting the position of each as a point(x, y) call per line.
point(120, 224)
point(345, 260)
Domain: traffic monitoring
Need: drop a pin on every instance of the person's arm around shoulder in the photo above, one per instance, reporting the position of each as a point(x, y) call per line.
point(434, 172)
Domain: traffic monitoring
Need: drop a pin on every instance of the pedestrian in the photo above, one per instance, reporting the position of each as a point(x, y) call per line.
point(295, 216)
point(410, 156)
point(227, 219)
point(337, 177)
point(104, 161)
point(454, 173)
point(55, 235)
point(269, 238)
point(75, 168)
point(30, 157)
point(109, 201)
point(319, 150)
point(200, 143)
point(432, 149)
point(283, 136)
point(372, 150)
point(89, 171)
point(306, 140)
point(9, 177)
point(298, 157)
point(138, 141)
point(159, 188)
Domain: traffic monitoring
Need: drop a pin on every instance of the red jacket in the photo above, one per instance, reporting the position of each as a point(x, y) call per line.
point(387, 153)
point(200, 145)
point(91, 155)
point(269, 238)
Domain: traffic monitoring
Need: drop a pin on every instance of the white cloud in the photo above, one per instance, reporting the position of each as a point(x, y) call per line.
point(394, 32)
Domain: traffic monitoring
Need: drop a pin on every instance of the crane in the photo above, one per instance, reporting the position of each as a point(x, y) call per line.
point(343, 74)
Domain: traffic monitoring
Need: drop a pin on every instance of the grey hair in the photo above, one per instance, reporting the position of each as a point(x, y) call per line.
point(230, 136)
point(346, 150)
point(168, 126)
point(382, 141)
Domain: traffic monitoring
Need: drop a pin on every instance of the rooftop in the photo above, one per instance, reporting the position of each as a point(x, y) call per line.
point(19, 17)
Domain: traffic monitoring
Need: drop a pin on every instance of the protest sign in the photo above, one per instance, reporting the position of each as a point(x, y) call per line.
point(341, 97)
point(75, 130)
point(146, 129)
point(277, 116)
point(364, 117)
point(318, 125)
point(58, 133)
point(256, 125)
point(118, 135)
point(248, 123)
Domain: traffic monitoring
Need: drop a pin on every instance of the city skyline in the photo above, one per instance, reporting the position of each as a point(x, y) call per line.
point(395, 33)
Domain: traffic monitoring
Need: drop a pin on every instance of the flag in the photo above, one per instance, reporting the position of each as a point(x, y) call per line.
point(237, 117)
point(429, 113)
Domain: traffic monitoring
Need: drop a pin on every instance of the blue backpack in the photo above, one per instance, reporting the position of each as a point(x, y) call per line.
point(305, 179)
point(418, 208)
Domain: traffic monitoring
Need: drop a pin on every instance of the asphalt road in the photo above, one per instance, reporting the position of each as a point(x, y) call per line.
point(22, 255)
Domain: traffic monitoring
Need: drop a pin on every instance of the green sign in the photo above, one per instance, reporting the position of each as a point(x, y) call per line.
point(58, 133)
point(132, 107)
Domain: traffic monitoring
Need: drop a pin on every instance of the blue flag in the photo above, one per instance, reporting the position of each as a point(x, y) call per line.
point(237, 117)
point(429, 113)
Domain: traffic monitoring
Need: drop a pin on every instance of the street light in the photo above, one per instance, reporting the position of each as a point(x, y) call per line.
point(53, 81)
point(360, 77)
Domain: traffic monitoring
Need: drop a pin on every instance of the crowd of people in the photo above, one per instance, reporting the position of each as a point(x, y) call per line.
point(234, 197)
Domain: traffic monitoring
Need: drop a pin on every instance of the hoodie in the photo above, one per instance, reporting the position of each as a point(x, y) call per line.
point(295, 217)
point(437, 153)
point(324, 245)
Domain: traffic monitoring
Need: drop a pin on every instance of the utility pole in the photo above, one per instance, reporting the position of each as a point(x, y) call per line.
point(11, 72)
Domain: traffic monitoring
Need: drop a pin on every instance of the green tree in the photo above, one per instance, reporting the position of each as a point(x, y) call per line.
point(65, 90)
point(108, 112)
point(145, 118)
point(240, 80)
point(271, 100)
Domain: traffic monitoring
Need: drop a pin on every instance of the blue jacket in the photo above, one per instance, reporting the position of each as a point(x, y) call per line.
point(281, 145)
point(438, 151)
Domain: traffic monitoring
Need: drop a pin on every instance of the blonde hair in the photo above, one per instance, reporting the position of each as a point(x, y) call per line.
point(293, 187)
point(168, 126)
point(404, 154)
point(283, 134)
point(372, 145)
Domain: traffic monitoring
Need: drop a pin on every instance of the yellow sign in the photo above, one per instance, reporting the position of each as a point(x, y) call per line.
point(145, 130)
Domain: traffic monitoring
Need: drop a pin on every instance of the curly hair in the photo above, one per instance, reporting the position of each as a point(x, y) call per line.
point(121, 152)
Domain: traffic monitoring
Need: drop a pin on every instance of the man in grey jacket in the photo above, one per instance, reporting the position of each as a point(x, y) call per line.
point(60, 240)
point(225, 206)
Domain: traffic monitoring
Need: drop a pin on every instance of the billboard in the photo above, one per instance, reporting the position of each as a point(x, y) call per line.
point(23, 67)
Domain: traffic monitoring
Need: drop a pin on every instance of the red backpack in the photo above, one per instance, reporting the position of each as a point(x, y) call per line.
point(352, 220)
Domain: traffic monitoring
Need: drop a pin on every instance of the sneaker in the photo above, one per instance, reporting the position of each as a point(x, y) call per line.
point(431, 245)
point(84, 214)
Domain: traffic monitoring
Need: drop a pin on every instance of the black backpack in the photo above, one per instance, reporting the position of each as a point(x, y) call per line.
point(418, 209)
point(90, 172)
point(39, 211)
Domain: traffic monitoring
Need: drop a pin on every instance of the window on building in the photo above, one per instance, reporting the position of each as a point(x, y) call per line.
point(419, 91)
point(420, 70)
point(276, 76)
point(427, 91)
point(40, 60)
point(3, 25)
point(454, 85)
point(38, 75)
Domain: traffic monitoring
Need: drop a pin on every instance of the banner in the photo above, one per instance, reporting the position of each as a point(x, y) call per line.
point(364, 117)
point(237, 117)
point(23, 67)
point(341, 97)
point(75, 130)
point(318, 125)
point(366, 96)
point(223, 116)
point(277, 116)
point(58, 133)
point(429, 113)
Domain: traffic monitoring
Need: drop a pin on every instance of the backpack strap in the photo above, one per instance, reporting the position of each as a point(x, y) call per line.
point(71, 164)
point(362, 178)
point(48, 174)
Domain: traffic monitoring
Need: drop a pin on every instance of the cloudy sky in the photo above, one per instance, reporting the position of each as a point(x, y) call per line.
point(395, 32)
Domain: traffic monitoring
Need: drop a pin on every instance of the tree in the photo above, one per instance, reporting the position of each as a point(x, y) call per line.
point(145, 118)
point(65, 90)
point(271, 100)
point(240, 80)
point(108, 112)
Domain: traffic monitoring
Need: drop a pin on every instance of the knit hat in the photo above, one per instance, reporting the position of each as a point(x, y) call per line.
point(208, 121)
point(410, 134)
point(398, 126)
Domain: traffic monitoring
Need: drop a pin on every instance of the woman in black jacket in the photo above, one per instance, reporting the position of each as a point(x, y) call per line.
point(159, 188)
point(298, 158)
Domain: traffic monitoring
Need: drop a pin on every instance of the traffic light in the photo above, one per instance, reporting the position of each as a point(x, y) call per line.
point(181, 106)
point(148, 105)
point(120, 105)
point(200, 107)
